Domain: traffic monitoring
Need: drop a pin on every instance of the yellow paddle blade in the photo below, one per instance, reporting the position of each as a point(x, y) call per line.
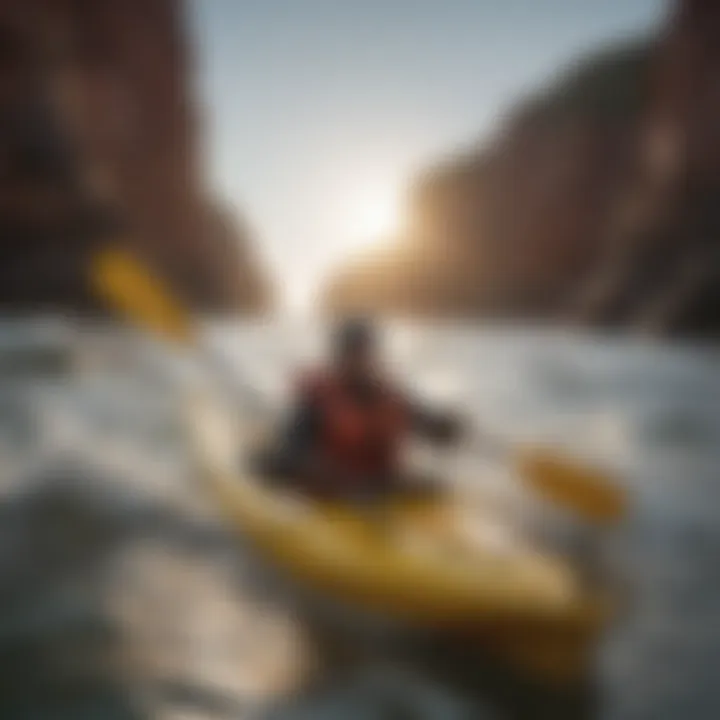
point(587, 491)
point(133, 290)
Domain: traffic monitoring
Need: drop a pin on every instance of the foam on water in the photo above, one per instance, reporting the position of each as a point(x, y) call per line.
point(650, 412)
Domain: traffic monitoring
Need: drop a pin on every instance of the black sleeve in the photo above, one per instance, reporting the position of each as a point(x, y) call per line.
point(431, 424)
point(298, 434)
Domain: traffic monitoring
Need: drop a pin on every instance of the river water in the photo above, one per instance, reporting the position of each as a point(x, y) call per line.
point(123, 594)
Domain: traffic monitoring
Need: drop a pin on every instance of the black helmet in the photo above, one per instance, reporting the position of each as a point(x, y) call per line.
point(354, 335)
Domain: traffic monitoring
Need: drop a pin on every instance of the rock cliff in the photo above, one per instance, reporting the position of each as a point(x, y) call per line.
point(660, 268)
point(596, 202)
point(100, 139)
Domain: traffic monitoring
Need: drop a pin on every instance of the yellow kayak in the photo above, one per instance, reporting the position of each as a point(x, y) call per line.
point(426, 563)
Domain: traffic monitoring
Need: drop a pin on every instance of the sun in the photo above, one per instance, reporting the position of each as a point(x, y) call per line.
point(380, 218)
point(374, 217)
point(358, 220)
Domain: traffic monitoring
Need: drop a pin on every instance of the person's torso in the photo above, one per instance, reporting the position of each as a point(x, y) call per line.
point(361, 429)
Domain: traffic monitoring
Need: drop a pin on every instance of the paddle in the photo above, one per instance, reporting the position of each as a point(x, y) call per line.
point(127, 285)
point(137, 293)
point(587, 491)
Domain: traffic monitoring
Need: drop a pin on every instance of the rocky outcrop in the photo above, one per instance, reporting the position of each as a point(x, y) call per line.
point(100, 141)
point(661, 263)
point(565, 213)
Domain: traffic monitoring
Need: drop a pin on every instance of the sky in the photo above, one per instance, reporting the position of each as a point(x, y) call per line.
point(319, 112)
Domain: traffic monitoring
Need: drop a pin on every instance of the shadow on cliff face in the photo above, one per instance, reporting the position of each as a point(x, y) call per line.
point(90, 154)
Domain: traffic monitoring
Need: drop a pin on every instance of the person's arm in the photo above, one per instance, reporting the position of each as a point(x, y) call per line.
point(297, 456)
point(297, 437)
point(436, 426)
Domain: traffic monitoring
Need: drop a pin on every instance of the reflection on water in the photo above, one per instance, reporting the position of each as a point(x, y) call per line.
point(122, 596)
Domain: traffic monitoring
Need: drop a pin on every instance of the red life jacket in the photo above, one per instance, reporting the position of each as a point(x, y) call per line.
point(362, 438)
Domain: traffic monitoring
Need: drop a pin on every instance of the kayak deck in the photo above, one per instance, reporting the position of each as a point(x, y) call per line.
point(431, 563)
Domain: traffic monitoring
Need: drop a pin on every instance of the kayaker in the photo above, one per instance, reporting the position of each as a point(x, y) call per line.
point(349, 423)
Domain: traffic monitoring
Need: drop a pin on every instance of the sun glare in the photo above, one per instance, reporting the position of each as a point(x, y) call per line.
point(361, 220)
point(373, 218)
point(380, 219)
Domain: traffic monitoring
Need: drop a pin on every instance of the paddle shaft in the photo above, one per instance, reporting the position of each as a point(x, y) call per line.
point(229, 378)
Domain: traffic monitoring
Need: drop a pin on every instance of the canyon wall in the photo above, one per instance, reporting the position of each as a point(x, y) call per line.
point(660, 268)
point(596, 202)
point(101, 141)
